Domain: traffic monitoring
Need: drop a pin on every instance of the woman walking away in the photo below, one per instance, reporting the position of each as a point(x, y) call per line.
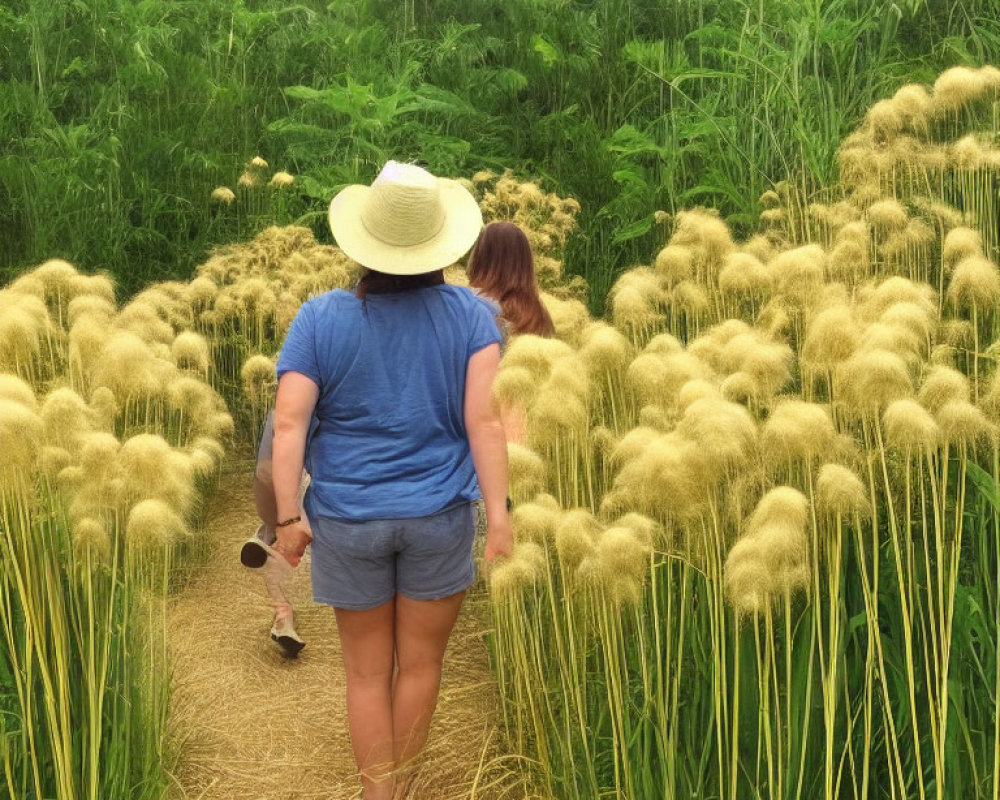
point(397, 377)
point(502, 268)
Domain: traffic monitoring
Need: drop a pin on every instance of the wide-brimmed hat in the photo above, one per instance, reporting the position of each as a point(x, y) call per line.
point(407, 222)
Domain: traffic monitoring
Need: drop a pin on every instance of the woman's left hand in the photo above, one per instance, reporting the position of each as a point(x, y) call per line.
point(292, 541)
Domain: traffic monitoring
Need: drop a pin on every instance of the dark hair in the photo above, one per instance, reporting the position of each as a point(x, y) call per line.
point(501, 266)
point(374, 282)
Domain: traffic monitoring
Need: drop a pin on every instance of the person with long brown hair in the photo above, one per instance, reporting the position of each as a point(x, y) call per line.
point(502, 267)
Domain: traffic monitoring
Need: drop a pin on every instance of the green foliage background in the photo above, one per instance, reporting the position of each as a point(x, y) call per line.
point(117, 119)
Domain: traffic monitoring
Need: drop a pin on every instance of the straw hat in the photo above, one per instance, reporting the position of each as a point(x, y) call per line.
point(407, 222)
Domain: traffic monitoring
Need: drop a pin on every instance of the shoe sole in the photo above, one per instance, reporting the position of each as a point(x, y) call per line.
point(253, 555)
point(292, 647)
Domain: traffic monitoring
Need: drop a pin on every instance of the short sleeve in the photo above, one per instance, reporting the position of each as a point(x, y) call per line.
point(484, 327)
point(298, 353)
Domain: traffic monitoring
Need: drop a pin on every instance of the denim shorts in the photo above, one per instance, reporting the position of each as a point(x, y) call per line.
point(361, 565)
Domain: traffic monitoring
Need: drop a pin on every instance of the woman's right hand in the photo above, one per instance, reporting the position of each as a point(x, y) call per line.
point(499, 539)
point(292, 540)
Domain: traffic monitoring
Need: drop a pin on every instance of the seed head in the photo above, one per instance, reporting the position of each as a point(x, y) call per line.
point(127, 367)
point(512, 576)
point(909, 426)
point(514, 387)
point(16, 390)
point(153, 525)
point(960, 243)
point(705, 233)
point(535, 522)
point(760, 247)
point(569, 317)
point(634, 308)
point(870, 380)
point(798, 273)
point(20, 338)
point(281, 179)
point(943, 385)
point(659, 480)
point(798, 431)
point(258, 163)
point(576, 537)
point(258, 375)
point(102, 401)
point(964, 424)
point(913, 103)
point(770, 199)
point(90, 537)
point(153, 469)
point(54, 460)
point(748, 580)
point(744, 273)
point(690, 297)
point(740, 387)
point(974, 283)
point(89, 306)
point(223, 194)
point(663, 344)
point(21, 431)
point(782, 505)
point(887, 216)
point(624, 563)
point(958, 87)
point(884, 120)
point(697, 389)
point(195, 398)
point(527, 471)
point(536, 354)
point(190, 351)
point(893, 338)
point(66, 416)
point(898, 289)
point(915, 318)
point(201, 292)
point(831, 337)
point(840, 492)
point(604, 349)
point(674, 263)
point(724, 435)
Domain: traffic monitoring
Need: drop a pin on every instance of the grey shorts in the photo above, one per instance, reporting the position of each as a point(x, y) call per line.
point(361, 565)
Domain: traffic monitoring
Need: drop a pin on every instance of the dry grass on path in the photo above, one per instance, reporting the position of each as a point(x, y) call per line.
point(248, 724)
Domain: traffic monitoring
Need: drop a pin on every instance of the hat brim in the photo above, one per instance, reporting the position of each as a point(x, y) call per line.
point(463, 221)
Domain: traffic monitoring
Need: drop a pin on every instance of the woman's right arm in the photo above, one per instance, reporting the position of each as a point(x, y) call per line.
point(489, 448)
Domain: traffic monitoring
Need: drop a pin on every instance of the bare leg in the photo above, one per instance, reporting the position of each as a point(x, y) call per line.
point(263, 495)
point(422, 631)
point(366, 640)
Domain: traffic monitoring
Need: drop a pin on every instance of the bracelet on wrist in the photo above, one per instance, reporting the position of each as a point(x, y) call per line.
point(287, 522)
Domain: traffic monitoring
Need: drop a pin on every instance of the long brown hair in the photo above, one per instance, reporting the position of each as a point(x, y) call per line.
point(501, 266)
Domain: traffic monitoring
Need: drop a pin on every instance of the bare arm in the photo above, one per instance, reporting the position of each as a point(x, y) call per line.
point(489, 448)
point(293, 410)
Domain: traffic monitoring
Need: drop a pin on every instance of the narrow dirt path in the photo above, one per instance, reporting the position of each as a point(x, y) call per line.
point(248, 724)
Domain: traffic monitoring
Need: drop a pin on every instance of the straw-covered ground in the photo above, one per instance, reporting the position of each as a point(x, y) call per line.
point(247, 723)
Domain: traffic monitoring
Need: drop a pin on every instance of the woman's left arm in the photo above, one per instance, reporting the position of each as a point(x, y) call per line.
point(296, 400)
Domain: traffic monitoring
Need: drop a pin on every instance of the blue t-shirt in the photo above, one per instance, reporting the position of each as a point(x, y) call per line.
point(388, 437)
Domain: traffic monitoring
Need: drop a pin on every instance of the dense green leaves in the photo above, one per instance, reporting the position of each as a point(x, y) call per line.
point(117, 120)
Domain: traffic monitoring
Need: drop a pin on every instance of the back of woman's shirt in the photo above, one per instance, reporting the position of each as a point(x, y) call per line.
point(388, 439)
